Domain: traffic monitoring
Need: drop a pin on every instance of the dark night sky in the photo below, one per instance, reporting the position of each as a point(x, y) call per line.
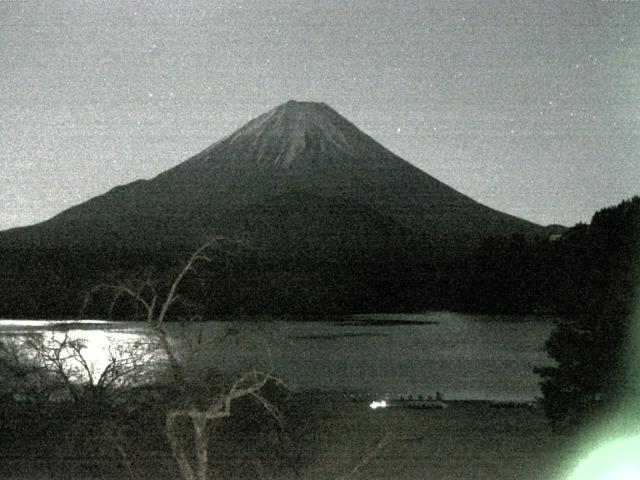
point(530, 107)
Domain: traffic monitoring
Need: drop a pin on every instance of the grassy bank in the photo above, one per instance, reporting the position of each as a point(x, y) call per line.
point(327, 437)
point(468, 440)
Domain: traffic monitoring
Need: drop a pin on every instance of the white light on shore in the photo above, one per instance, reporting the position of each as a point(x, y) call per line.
point(374, 405)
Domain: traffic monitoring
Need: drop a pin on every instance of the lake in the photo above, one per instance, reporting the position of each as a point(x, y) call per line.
point(464, 357)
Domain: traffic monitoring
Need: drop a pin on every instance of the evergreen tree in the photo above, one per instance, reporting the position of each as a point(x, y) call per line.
point(601, 273)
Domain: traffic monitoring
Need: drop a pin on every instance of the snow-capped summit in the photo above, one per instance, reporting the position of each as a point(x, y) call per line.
point(296, 134)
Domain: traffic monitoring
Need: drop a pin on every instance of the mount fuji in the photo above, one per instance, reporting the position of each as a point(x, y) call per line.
point(300, 183)
point(300, 154)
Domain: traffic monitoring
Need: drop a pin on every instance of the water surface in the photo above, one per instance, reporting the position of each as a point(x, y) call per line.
point(461, 356)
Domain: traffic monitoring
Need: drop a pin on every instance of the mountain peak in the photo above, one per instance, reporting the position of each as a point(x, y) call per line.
point(303, 103)
point(296, 134)
point(304, 107)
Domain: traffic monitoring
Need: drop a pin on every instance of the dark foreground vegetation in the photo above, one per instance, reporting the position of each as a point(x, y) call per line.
point(323, 437)
point(127, 439)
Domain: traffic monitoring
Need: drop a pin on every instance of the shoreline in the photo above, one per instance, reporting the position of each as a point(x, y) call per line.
point(467, 440)
point(367, 397)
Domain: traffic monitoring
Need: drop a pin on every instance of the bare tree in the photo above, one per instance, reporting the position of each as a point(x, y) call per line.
point(200, 413)
point(17, 377)
point(54, 368)
point(62, 363)
point(219, 407)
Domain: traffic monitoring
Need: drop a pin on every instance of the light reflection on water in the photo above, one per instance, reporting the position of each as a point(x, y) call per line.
point(103, 341)
point(40, 324)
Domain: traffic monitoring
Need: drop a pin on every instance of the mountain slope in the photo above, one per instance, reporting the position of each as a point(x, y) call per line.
point(296, 147)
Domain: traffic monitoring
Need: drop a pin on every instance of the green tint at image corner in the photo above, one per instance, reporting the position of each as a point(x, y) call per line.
point(619, 458)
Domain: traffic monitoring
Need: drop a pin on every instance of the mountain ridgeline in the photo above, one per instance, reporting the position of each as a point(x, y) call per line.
point(329, 220)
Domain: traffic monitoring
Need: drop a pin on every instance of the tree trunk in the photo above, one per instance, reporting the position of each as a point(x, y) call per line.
point(176, 447)
point(201, 441)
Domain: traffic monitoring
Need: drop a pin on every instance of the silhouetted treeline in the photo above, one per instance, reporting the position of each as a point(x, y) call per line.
point(593, 374)
point(53, 283)
point(587, 268)
point(582, 269)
